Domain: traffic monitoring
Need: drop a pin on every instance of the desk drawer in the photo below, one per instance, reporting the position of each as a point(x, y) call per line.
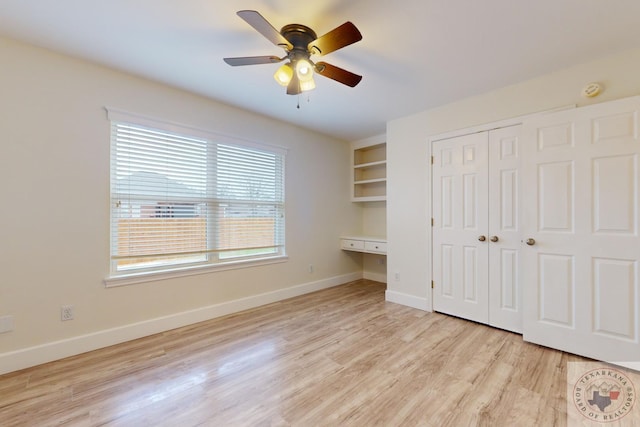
point(352, 244)
point(375, 247)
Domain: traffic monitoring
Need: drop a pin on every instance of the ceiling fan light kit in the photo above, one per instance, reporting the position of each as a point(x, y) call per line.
point(284, 74)
point(300, 42)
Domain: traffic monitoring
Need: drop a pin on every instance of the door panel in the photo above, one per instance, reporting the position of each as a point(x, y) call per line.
point(446, 202)
point(508, 208)
point(554, 136)
point(446, 271)
point(470, 201)
point(580, 184)
point(614, 201)
point(556, 198)
point(615, 280)
point(459, 187)
point(616, 127)
point(557, 289)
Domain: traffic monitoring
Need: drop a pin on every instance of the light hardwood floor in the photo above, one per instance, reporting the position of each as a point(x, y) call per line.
point(338, 357)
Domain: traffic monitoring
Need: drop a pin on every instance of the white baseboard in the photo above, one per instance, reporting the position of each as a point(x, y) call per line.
point(32, 356)
point(377, 277)
point(408, 300)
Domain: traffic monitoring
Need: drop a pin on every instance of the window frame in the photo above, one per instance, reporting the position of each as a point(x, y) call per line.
point(119, 277)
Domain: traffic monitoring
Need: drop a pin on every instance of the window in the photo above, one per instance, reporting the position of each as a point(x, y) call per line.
point(182, 198)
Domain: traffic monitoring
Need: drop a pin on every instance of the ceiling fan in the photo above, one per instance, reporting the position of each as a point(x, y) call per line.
point(300, 42)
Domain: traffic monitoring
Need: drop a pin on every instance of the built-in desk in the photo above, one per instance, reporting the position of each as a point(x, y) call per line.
point(371, 245)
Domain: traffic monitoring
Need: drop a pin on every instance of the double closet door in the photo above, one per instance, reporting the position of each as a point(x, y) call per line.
point(537, 229)
point(476, 234)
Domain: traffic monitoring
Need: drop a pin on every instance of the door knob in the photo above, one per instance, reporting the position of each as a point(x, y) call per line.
point(482, 238)
point(530, 241)
point(494, 238)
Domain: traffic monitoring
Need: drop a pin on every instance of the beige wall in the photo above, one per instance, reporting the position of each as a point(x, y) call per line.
point(54, 181)
point(374, 223)
point(408, 201)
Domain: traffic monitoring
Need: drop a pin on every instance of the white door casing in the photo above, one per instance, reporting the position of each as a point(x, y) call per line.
point(580, 190)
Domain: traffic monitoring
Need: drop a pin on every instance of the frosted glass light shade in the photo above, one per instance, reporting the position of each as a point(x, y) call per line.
point(304, 69)
point(307, 85)
point(284, 74)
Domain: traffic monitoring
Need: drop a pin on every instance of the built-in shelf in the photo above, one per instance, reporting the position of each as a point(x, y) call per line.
point(369, 179)
point(381, 163)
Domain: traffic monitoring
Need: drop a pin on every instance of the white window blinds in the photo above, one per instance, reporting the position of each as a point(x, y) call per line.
point(179, 200)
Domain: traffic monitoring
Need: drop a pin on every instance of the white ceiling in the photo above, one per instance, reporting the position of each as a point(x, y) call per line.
point(415, 54)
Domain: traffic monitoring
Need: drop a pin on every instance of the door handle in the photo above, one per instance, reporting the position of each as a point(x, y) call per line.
point(482, 238)
point(530, 241)
point(494, 238)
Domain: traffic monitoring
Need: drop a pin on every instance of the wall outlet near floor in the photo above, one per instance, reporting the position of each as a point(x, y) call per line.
point(6, 324)
point(310, 268)
point(397, 276)
point(66, 312)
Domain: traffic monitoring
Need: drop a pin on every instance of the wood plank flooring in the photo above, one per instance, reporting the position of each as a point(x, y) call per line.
point(338, 357)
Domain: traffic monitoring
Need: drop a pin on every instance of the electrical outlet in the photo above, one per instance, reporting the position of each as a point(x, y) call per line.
point(66, 312)
point(397, 276)
point(310, 268)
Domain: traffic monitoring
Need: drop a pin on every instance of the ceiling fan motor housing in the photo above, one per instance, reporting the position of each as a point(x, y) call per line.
point(299, 36)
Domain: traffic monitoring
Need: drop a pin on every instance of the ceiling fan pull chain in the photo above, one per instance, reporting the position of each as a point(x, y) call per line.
point(298, 102)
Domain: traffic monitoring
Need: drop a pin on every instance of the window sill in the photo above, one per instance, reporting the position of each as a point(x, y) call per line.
point(152, 276)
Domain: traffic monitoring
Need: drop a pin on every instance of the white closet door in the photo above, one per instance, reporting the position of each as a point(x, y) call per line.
point(460, 263)
point(505, 297)
point(580, 188)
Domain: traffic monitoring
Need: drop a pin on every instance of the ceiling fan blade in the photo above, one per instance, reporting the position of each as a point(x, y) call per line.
point(339, 37)
point(263, 26)
point(252, 60)
point(294, 85)
point(338, 74)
